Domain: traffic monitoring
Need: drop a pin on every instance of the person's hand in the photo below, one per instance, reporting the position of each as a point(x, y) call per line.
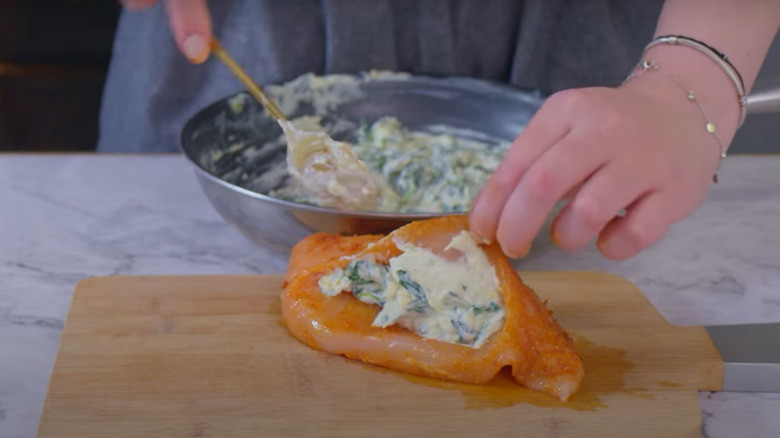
point(630, 160)
point(190, 23)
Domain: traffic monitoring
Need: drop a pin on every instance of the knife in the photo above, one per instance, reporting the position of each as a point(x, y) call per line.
point(751, 354)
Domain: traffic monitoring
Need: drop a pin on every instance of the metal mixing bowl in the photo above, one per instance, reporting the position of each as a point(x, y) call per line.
point(235, 146)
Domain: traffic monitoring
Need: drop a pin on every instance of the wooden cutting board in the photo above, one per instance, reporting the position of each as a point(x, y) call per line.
point(210, 357)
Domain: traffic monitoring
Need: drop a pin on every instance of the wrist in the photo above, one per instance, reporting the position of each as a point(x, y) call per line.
point(695, 71)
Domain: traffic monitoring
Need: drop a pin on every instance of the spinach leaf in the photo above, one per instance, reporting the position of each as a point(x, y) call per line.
point(420, 301)
point(368, 281)
point(491, 308)
point(466, 334)
point(365, 272)
point(369, 293)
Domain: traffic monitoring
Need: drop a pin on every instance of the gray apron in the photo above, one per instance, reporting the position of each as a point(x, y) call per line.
point(546, 45)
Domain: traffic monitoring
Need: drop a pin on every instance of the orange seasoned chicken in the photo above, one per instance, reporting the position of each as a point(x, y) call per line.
point(427, 299)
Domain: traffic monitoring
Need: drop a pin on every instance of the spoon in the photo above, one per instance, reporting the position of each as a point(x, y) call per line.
point(326, 168)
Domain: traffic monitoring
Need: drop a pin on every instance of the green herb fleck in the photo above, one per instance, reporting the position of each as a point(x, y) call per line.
point(491, 308)
point(353, 273)
point(420, 302)
point(380, 163)
point(466, 334)
point(369, 294)
point(364, 272)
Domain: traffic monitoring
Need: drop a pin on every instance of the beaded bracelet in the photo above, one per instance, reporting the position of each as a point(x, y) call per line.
point(709, 126)
point(718, 57)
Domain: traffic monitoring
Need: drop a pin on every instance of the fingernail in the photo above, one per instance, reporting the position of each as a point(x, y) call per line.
point(555, 237)
point(195, 49)
point(479, 239)
point(509, 254)
point(609, 247)
point(516, 255)
point(474, 222)
point(553, 232)
point(476, 233)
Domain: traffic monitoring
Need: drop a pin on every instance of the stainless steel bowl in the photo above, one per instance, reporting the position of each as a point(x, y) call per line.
point(235, 148)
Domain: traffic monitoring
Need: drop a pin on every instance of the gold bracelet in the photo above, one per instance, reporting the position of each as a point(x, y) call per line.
point(709, 126)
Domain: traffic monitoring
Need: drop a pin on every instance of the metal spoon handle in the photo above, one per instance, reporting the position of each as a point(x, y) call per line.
point(257, 92)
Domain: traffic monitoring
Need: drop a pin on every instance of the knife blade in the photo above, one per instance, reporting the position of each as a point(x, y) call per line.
point(751, 354)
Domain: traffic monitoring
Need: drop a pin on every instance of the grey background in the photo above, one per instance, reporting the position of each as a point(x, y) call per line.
point(761, 132)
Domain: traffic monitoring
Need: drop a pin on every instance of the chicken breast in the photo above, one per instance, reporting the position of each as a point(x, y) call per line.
point(529, 340)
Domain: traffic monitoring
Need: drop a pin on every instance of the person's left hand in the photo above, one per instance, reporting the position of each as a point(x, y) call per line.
point(640, 148)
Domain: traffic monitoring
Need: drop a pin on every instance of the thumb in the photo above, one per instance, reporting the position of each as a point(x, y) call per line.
point(191, 26)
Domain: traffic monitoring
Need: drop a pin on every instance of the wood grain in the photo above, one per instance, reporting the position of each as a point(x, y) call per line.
point(209, 357)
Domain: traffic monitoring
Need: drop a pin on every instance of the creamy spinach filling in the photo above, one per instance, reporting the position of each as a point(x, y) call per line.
point(455, 301)
point(425, 172)
point(429, 172)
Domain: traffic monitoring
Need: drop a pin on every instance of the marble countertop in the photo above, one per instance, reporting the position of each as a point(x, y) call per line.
point(67, 217)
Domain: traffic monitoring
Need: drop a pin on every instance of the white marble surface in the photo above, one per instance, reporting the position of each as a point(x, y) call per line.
point(67, 217)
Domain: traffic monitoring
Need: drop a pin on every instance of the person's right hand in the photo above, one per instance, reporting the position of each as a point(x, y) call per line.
point(190, 23)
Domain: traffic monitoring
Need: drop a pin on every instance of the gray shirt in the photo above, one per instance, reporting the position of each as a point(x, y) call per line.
point(547, 45)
